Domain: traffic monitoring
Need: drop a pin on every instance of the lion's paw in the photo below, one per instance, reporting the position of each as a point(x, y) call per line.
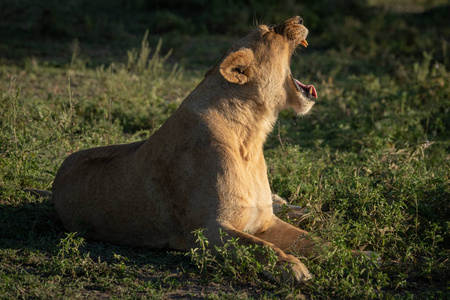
point(293, 271)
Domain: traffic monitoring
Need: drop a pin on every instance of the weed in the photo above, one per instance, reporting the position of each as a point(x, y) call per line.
point(232, 260)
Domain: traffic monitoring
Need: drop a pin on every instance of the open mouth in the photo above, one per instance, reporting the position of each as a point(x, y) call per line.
point(309, 91)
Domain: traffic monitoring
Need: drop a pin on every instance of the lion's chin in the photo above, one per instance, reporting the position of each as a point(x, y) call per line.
point(303, 106)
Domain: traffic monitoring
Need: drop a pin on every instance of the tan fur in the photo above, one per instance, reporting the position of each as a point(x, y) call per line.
point(204, 168)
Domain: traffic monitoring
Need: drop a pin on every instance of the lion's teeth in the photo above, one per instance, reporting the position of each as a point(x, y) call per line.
point(304, 43)
point(311, 90)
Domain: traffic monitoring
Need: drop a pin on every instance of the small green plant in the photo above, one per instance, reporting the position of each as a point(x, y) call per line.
point(201, 257)
point(233, 261)
point(120, 265)
point(69, 255)
point(338, 273)
point(69, 247)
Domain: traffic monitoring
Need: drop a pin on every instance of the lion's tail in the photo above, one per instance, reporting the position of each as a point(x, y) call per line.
point(39, 193)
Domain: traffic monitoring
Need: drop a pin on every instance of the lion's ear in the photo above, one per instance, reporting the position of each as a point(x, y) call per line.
point(236, 67)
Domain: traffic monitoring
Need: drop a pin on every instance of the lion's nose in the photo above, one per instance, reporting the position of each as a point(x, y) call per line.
point(299, 20)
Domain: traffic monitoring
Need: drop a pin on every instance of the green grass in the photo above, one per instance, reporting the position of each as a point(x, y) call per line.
point(371, 163)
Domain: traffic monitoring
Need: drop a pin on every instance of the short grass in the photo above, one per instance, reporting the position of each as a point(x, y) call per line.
point(371, 163)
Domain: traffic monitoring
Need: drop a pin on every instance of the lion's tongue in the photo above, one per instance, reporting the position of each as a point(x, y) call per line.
point(309, 88)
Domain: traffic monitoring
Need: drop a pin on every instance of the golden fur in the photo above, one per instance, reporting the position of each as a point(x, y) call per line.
point(204, 168)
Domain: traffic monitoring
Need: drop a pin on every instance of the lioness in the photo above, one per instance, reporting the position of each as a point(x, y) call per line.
point(204, 168)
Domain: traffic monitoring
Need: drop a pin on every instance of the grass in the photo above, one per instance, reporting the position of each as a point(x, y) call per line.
point(371, 163)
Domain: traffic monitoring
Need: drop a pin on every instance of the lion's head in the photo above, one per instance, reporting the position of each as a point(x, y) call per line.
point(259, 65)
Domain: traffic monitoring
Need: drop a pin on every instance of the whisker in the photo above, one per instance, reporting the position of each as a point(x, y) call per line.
point(262, 20)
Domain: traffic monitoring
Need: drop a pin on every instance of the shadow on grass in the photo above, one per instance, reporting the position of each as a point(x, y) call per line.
point(35, 247)
point(36, 227)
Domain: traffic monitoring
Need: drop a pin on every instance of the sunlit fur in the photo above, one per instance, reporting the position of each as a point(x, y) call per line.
point(204, 168)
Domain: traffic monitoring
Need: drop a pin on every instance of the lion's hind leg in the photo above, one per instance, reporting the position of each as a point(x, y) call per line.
point(282, 207)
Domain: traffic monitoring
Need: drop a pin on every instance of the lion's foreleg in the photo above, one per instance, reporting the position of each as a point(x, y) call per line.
point(297, 241)
point(289, 238)
point(297, 271)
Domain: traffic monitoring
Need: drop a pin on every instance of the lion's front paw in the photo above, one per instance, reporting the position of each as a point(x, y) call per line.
point(294, 271)
point(291, 271)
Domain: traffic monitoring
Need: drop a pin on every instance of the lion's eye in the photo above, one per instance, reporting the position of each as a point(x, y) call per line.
point(268, 30)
